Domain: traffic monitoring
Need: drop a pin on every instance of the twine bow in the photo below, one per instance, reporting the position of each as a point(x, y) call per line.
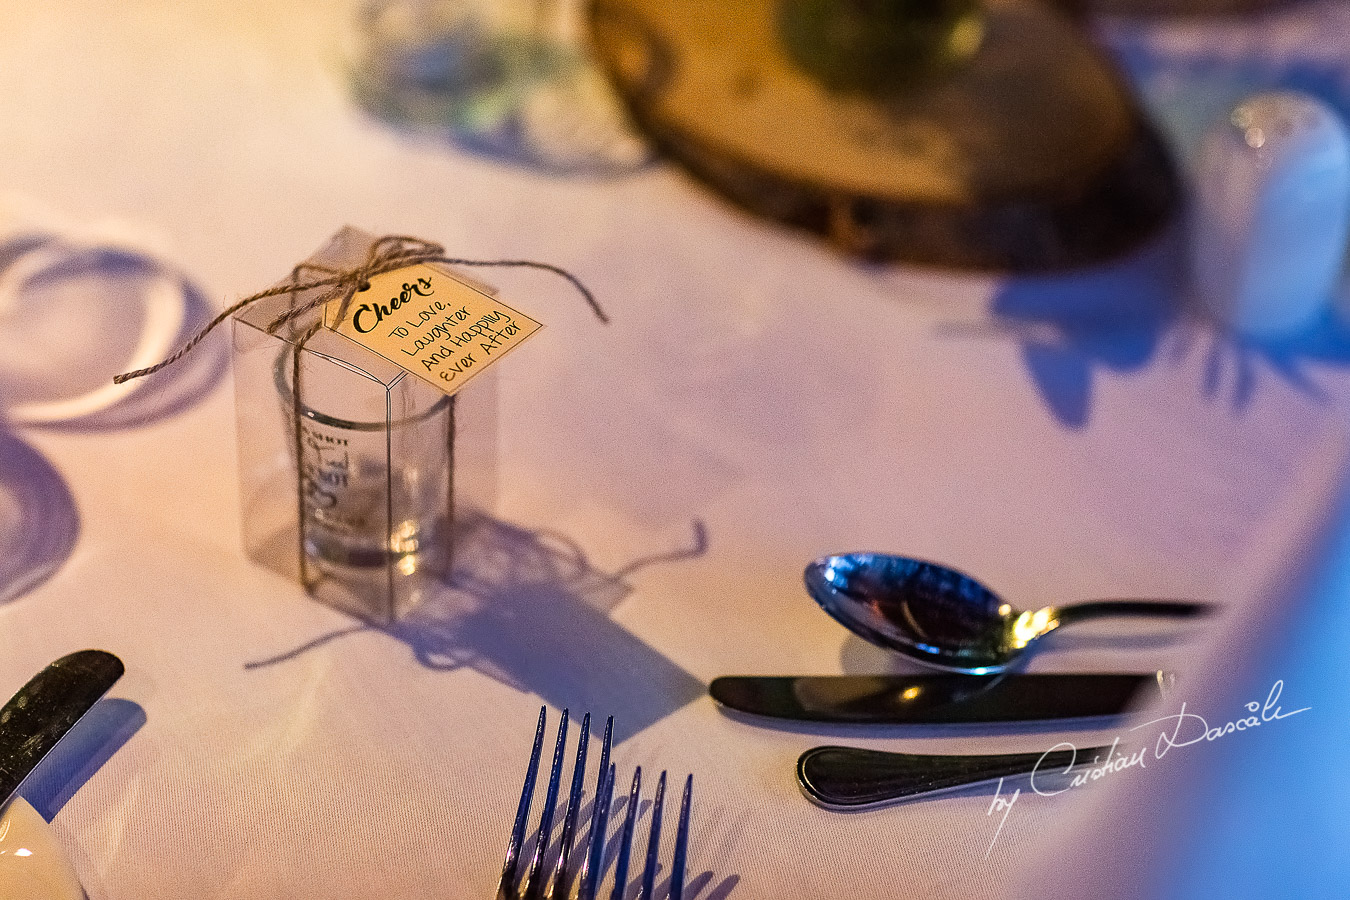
point(385, 255)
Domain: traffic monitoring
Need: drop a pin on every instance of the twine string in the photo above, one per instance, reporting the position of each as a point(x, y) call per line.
point(385, 255)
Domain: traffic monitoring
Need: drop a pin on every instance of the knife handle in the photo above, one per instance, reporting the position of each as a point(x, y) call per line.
point(847, 778)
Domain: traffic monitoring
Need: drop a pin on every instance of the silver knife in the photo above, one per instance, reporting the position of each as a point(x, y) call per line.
point(935, 699)
point(46, 708)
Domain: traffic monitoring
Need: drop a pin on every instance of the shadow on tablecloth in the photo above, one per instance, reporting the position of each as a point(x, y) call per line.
point(1074, 326)
point(696, 887)
point(1125, 318)
point(103, 731)
point(39, 522)
point(528, 609)
point(107, 285)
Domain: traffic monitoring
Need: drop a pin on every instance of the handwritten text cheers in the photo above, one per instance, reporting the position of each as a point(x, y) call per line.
point(436, 327)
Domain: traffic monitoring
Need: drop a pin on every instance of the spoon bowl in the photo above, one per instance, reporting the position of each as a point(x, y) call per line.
point(943, 617)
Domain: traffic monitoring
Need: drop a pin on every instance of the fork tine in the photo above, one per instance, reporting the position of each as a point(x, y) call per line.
point(557, 881)
point(504, 886)
point(599, 825)
point(533, 883)
point(561, 882)
point(681, 843)
point(647, 891)
point(604, 768)
point(626, 842)
point(605, 747)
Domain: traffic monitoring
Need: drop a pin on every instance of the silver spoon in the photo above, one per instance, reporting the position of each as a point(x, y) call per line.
point(945, 618)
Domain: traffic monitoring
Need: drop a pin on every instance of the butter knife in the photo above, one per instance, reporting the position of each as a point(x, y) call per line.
point(46, 708)
point(934, 699)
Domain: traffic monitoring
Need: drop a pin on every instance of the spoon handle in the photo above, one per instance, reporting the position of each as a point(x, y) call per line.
point(847, 778)
point(1080, 612)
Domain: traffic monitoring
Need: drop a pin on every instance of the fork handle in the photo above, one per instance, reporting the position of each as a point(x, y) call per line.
point(847, 778)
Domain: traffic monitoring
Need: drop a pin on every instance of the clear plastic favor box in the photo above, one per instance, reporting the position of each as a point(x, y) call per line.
point(359, 496)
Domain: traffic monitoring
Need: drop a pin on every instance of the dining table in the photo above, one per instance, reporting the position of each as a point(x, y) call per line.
point(755, 401)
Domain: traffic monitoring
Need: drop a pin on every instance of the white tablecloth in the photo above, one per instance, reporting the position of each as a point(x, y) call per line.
point(757, 402)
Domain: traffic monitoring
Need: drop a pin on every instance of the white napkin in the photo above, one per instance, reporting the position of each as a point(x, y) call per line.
point(1259, 811)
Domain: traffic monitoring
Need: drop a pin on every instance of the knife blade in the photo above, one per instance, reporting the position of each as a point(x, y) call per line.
point(934, 699)
point(46, 708)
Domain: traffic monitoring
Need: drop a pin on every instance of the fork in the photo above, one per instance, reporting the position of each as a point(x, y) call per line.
point(553, 881)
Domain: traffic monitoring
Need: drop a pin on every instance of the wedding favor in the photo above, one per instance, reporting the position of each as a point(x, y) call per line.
point(366, 419)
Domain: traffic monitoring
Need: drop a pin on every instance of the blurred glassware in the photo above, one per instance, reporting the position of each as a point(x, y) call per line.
point(38, 519)
point(453, 62)
point(75, 310)
point(511, 79)
point(374, 484)
point(1271, 213)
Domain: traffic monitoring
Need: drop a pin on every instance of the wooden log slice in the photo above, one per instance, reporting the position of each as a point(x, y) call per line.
point(1030, 156)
